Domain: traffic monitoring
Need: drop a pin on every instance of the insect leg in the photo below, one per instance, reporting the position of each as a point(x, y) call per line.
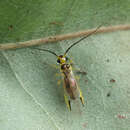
point(57, 74)
point(77, 77)
point(59, 82)
point(67, 102)
point(54, 66)
point(81, 98)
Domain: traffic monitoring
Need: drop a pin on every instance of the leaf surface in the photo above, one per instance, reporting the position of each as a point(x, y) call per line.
point(30, 98)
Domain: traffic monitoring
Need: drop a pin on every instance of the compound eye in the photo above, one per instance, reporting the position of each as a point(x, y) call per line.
point(58, 61)
point(68, 66)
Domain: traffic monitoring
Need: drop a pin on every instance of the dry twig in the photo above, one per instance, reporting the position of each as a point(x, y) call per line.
point(7, 46)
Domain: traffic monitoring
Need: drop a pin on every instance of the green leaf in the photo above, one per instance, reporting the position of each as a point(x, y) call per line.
point(30, 98)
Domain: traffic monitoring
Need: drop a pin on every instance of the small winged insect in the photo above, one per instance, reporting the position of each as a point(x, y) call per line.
point(71, 88)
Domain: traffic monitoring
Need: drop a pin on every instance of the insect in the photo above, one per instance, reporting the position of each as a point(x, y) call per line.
point(71, 88)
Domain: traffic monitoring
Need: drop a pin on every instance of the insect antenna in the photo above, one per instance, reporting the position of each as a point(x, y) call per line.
point(82, 39)
point(47, 51)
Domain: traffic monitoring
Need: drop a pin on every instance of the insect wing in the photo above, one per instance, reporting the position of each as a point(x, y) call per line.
point(71, 86)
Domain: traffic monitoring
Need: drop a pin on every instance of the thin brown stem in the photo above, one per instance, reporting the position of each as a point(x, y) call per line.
point(7, 46)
